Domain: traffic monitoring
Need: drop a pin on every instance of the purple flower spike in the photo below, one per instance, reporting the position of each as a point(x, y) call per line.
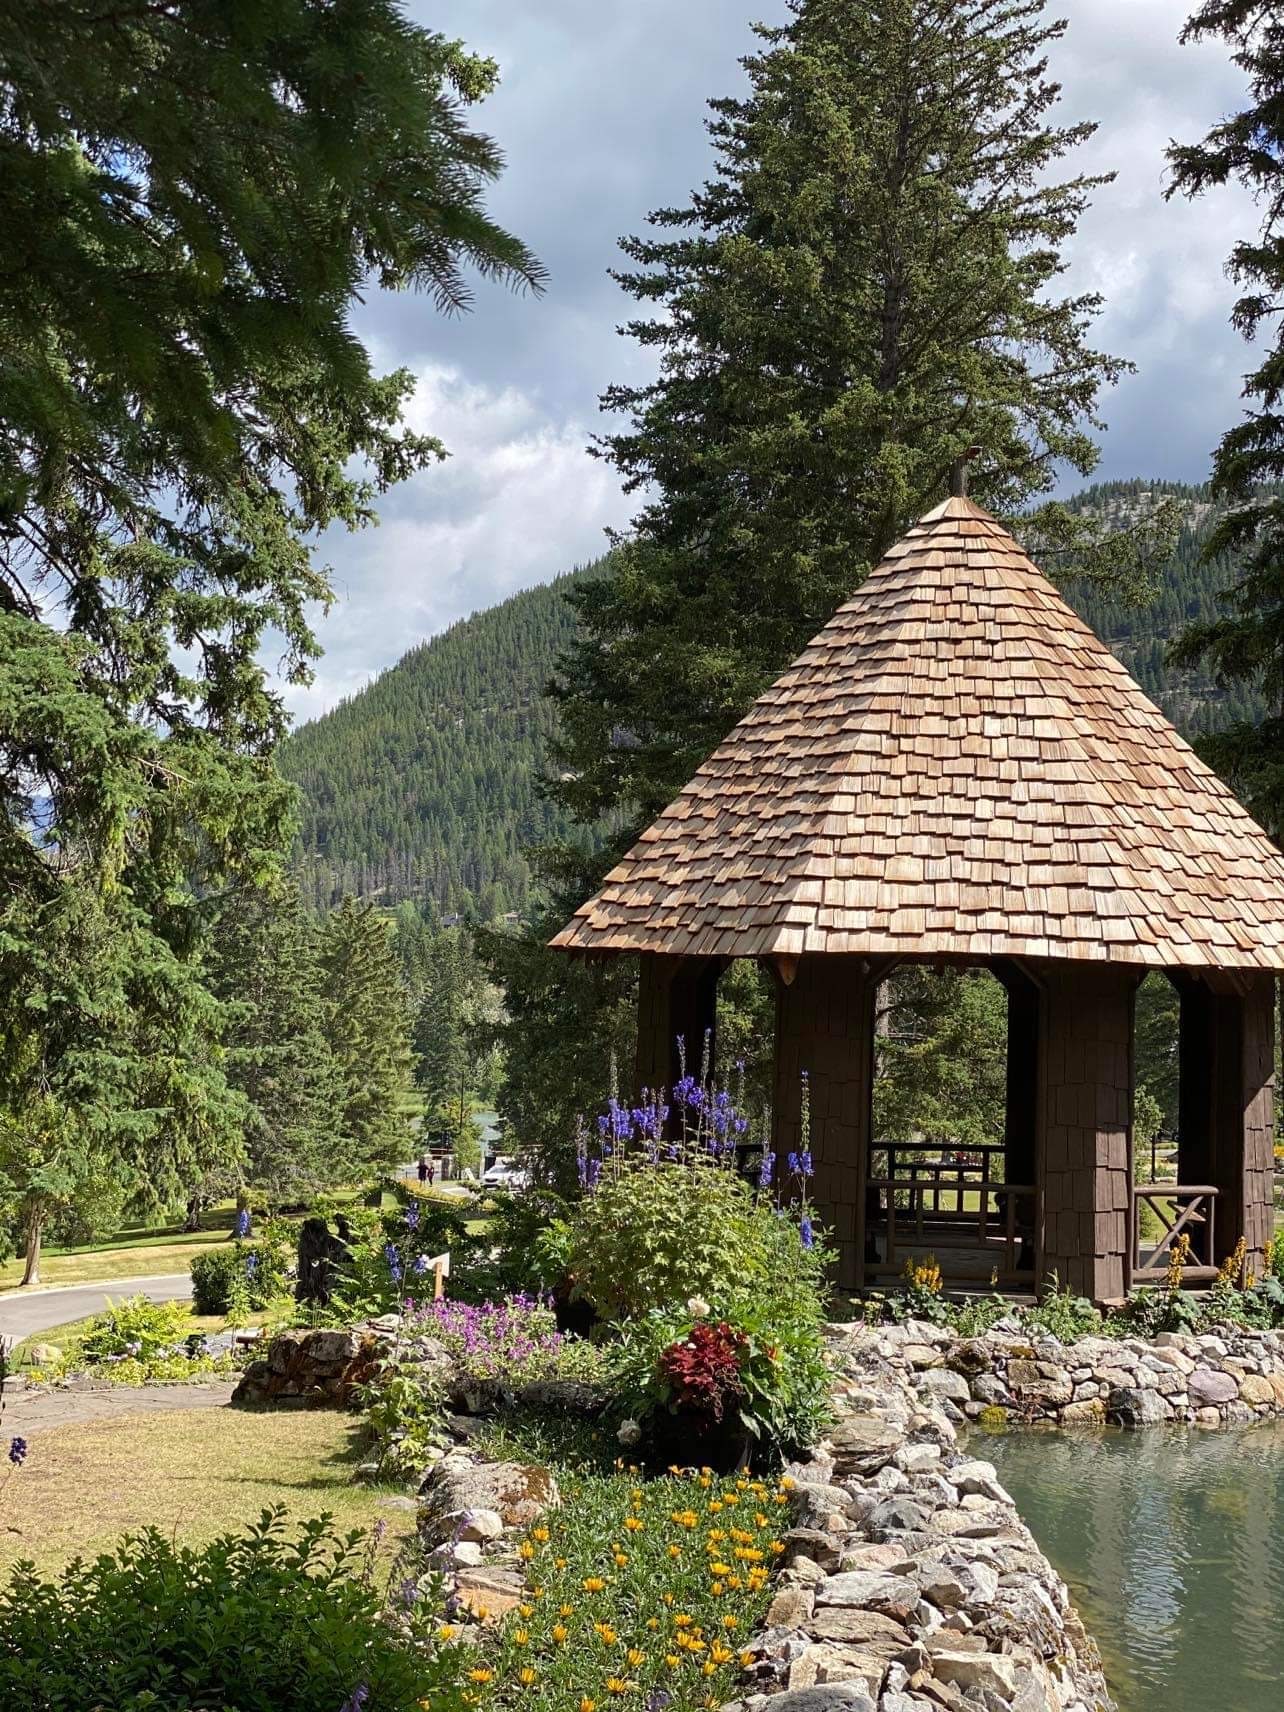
point(765, 1170)
point(17, 1451)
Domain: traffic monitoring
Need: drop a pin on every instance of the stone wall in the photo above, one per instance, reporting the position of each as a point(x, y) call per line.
point(1231, 1376)
point(317, 1368)
point(910, 1583)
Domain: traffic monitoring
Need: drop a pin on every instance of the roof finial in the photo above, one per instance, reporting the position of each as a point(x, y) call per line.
point(958, 472)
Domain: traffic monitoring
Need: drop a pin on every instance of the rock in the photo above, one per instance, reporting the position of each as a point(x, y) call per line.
point(1208, 1386)
point(987, 1389)
point(887, 1556)
point(864, 1587)
point(857, 1627)
point(921, 1355)
point(1256, 1388)
point(862, 1444)
point(972, 1671)
point(915, 1458)
point(827, 1697)
point(1089, 1411)
point(825, 1664)
point(945, 1383)
point(979, 1479)
point(791, 1608)
point(897, 1515)
point(316, 1367)
point(814, 1505)
point(822, 1548)
point(1133, 1408)
point(516, 1492)
point(456, 1554)
point(478, 1525)
point(489, 1593)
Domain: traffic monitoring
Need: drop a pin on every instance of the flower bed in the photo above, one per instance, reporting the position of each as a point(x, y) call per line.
point(635, 1594)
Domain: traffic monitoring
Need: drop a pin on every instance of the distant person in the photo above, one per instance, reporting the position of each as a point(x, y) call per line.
point(432, 1172)
point(425, 1172)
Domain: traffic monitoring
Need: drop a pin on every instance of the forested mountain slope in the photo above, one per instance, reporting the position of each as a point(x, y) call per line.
point(424, 785)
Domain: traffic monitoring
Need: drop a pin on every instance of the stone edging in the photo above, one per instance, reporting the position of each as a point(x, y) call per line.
point(1229, 1377)
point(910, 1583)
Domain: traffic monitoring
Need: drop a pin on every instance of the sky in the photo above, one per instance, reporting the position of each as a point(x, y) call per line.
point(600, 115)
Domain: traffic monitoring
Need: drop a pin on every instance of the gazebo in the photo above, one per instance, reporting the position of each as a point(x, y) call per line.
point(958, 771)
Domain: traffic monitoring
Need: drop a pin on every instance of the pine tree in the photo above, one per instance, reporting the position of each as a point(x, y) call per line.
point(192, 195)
point(1244, 645)
point(263, 963)
point(367, 1028)
point(867, 288)
point(454, 1032)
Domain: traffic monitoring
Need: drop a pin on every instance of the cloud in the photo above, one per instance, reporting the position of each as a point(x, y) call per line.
point(600, 113)
point(518, 502)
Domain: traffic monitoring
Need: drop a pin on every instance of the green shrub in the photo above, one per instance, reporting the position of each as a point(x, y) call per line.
point(241, 1277)
point(402, 1406)
point(135, 1327)
point(254, 1621)
point(1062, 1314)
point(654, 1236)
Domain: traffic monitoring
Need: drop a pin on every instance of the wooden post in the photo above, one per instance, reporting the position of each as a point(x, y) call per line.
point(824, 1026)
point(677, 998)
point(1085, 1125)
point(1227, 1093)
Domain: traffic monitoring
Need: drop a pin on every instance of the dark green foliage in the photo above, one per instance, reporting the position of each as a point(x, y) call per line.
point(366, 1024)
point(426, 785)
point(263, 960)
point(258, 1621)
point(867, 286)
point(1244, 644)
point(252, 1273)
point(941, 1062)
point(454, 1033)
point(193, 196)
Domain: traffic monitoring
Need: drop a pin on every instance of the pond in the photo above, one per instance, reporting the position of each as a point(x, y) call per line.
point(1172, 1543)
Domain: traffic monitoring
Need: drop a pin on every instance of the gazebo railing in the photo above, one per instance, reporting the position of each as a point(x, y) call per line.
point(1187, 1209)
point(955, 1199)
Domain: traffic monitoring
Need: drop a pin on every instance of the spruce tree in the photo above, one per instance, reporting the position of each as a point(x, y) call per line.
point(366, 1023)
point(263, 963)
point(869, 286)
point(1244, 644)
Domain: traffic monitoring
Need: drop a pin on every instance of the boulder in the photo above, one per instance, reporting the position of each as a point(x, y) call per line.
point(1133, 1408)
point(1209, 1386)
point(829, 1697)
point(516, 1492)
point(489, 1593)
point(868, 1629)
point(974, 1671)
point(820, 1546)
point(943, 1382)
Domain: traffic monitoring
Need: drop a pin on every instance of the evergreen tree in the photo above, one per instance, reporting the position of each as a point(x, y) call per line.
point(263, 963)
point(942, 1057)
point(454, 1032)
point(366, 1023)
point(193, 196)
point(868, 287)
point(1244, 645)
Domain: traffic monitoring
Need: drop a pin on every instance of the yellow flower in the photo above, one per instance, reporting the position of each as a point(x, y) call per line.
point(761, 1521)
point(446, 1632)
point(480, 1674)
point(746, 1659)
point(715, 1505)
point(526, 1675)
point(708, 1668)
point(560, 1632)
point(616, 1685)
point(731, 1622)
point(674, 1551)
point(672, 1660)
point(705, 1481)
point(621, 1558)
point(681, 1620)
point(735, 1581)
point(540, 1534)
point(720, 1569)
point(587, 1705)
point(718, 1653)
point(653, 1622)
point(666, 1598)
point(749, 1554)
point(634, 1524)
point(566, 1610)
point(775, 1547)
point(560, 1562)
point(594, 1584)
point(521, 1637)
point(717, 1589)
point(635, 1657)
point(526, 1610)
point(606, 1632)
point(526, 1551)
point(787, 1483)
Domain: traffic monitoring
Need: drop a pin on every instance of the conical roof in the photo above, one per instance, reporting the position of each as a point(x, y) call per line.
point(956, 766)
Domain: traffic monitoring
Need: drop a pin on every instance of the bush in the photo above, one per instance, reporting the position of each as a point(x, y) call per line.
point(652, 1236)
point(242, 1276)
point(251, 1620)
point(135, 1327)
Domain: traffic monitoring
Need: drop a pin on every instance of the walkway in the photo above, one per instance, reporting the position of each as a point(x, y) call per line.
point(23, 1312)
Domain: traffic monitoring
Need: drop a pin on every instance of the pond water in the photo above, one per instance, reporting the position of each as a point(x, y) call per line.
point(1172, 1543)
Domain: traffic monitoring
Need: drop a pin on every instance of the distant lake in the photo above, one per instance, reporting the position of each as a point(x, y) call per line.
point(1172, 1543)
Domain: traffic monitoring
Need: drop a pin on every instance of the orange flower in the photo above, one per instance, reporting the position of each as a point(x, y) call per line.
point(480, 1674)
point(594, 1584)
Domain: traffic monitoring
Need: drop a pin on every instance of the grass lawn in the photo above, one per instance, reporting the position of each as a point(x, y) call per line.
point(140, 1257)
point(192, 1474)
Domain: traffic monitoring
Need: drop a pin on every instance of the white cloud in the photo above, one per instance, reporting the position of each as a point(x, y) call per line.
point(517, 502)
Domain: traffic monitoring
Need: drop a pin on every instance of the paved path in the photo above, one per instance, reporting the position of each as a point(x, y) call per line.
point(23, 1312)
point(33, 1411)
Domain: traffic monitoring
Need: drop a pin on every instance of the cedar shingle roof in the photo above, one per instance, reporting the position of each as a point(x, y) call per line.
point(955, 766)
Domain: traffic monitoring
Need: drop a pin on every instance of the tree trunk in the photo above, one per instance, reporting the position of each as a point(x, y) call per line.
point(35, 1231)
point(194, 1208)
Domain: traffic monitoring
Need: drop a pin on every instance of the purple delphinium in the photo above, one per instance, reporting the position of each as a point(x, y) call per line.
point(393, 1256)
point(806, 1232)
point(412, 1218)
point(357, 1699)
point(17, 1451)
point(765, 1169)
point(241, 1228)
